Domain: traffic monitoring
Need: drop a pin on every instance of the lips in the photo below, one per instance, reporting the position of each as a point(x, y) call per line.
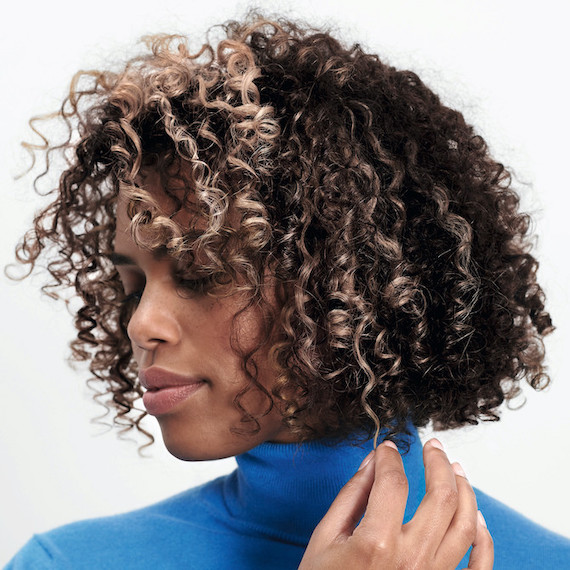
point(165, 389)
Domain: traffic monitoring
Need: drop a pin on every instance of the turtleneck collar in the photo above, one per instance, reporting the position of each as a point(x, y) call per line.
point(284, 490)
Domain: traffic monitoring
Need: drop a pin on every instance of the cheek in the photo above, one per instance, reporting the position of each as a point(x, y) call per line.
point(252, 331)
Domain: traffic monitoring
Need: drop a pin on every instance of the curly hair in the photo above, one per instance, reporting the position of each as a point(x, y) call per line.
point(406, 288)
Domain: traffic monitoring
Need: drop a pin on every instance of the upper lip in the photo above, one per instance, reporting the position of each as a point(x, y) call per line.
point(155, 378)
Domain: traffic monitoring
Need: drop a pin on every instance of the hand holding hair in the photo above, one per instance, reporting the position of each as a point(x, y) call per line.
point(441, 531)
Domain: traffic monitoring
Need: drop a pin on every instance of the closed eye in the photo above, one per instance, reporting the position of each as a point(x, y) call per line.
point(199, 285)
point(131, 277)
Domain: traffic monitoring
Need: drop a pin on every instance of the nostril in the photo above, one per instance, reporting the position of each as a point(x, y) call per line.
point(147, 331)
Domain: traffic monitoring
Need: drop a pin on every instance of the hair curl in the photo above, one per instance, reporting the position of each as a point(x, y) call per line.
point(404, 276)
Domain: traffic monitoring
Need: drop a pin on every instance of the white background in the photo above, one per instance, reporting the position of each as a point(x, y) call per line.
point(502, 63)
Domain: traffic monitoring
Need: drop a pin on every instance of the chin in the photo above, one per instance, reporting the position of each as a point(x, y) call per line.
point(205, 444)
point(192, 452)
point(184, 454)
point(191, 447)
point(189, 439)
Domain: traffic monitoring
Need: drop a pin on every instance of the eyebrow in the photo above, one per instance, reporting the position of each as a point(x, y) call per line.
point(117, 258)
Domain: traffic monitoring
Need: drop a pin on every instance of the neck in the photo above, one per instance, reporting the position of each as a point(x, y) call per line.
point(284, 489)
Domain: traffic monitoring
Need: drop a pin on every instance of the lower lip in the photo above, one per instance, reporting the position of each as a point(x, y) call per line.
point(159, 402)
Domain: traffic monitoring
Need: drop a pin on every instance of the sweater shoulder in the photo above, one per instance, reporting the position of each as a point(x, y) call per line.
point(519, 542)
point(185, 530)
point(37, 555)
point(112, 541)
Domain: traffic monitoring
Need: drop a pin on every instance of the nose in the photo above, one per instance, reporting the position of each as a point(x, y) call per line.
point(154, 320)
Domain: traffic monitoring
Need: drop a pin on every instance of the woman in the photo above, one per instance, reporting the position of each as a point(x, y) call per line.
point(292, 251)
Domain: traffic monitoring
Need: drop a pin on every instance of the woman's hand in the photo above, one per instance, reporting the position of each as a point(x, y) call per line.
point(443, 528)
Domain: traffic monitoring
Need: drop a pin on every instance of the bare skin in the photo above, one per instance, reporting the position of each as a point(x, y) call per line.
point(443, 528)
point(189, 335)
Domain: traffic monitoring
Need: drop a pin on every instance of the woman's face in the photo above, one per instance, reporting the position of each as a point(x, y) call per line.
point(182, 347)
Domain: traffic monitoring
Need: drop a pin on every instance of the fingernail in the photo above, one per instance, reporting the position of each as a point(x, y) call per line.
point(458, 470)
point(390, 443)
point(481, 518)
point(366, 460)
point(436, 443)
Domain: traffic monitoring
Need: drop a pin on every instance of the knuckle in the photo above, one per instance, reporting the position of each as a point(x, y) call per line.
point(382, 546)
point(467, 530)
point(447, 496)
point(395, 478)
point(381, 551)
point(376, 548)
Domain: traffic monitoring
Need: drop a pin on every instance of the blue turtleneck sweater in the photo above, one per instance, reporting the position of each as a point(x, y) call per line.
point(262, 516)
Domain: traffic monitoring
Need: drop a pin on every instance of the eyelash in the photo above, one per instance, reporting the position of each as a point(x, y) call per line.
point(199, 286)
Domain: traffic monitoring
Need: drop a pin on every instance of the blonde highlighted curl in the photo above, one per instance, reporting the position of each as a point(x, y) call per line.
point(405, 285)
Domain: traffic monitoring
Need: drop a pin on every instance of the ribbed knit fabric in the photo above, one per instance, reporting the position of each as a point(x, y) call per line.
point(262, 516)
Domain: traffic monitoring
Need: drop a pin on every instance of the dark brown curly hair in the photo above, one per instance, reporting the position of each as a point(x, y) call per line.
point(405, 284)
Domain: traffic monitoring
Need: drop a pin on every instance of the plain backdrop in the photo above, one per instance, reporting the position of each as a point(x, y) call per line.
point(502, 63)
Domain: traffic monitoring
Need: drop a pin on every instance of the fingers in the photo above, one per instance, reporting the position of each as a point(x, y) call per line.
point(463, 527)
point(350, 503)
point(437, 509)
point(387, 502)
point(447, 522)
point(482, 555)
point(364, 523)
point(378, 491)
